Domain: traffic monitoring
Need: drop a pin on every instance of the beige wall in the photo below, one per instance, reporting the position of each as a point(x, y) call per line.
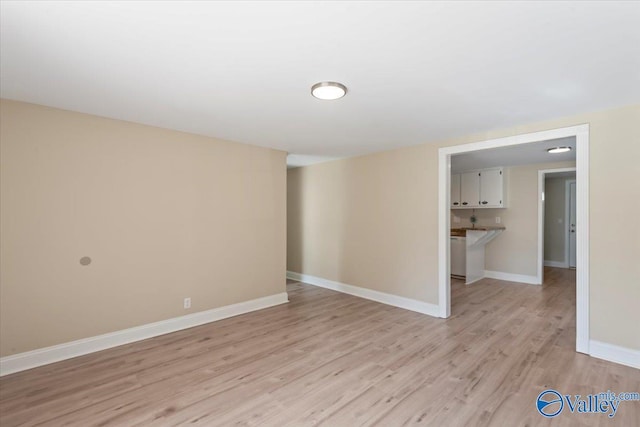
point(554, 219)
point(164, 215)
point(372, 221)
point(358, 221)
point(515, 251)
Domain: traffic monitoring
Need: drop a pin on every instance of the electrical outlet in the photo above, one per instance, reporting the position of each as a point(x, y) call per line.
point(456, 219)
point(498, 220)
point(187, 303)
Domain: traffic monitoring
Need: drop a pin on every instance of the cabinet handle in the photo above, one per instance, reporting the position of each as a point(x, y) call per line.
point(465, 203)
point(485, 202)
point(455, 203)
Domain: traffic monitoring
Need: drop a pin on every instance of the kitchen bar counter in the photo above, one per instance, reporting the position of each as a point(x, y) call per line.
point(476, 239)
point(462, 231)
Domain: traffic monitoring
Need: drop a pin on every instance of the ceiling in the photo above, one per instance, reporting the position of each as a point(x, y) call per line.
point(416, 72)
point(515, 155)
point(559, 175)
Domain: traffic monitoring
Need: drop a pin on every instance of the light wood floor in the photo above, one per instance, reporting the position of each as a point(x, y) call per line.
point(337, 360)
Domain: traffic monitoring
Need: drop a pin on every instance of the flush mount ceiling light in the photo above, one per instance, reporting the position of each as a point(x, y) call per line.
point(556, 150)
point(328, 90)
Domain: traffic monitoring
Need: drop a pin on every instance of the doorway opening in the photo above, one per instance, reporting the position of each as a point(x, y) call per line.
point(557, 217)
point(581, 135)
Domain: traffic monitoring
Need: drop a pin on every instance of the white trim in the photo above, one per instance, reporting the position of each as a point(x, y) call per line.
point(511, 277)
point(382, 297)
point(475, 280)
point(43, 356)
point(615, 354)
point(582, 238)
point(581, 133)
point(444, 233)
point(558, 264)
point(542, 174)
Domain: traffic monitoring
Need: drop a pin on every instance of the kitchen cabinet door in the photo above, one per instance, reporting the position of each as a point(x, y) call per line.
point(455, 190)
point(491, 188)
point(470, 189)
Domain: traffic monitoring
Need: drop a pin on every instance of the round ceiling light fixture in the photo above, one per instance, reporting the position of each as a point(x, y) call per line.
point(328, 91)
point(557, 150)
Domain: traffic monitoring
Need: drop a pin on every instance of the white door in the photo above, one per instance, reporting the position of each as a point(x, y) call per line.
point(572, 224)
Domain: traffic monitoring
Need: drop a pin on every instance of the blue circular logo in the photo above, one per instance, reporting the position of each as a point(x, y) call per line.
point(549, 403)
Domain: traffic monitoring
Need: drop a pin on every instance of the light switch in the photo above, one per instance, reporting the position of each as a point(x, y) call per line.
point(498, 220)
point(456, 219)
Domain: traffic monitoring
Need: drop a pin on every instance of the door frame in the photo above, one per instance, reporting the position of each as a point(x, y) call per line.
point(581, 133)
point(542, 175)
point(567, 207)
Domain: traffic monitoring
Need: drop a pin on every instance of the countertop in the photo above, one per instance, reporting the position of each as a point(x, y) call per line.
point(462, 231)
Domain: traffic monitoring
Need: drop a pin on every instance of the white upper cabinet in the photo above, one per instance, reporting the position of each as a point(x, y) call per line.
point(470, 189)
point(455, 190)
point(478, 189)
point(491, 188)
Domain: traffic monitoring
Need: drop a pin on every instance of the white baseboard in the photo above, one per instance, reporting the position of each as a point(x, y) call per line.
point(558, 264)
point(382, 297)
point(473, 281)
point(43, 356)
point(614, 353)
point(511, 277)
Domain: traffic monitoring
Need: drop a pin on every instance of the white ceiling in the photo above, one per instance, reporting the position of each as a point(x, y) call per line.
point(416, 71)
point(297, 160)
point(559, 175)
point(516, 155)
